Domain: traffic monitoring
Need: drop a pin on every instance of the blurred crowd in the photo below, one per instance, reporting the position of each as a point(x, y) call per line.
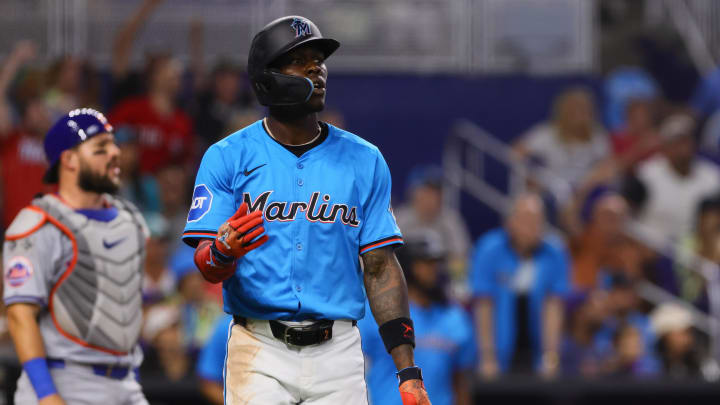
point(618, 195)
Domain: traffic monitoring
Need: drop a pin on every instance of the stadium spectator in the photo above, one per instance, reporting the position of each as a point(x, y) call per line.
point(22, 157)
point(703, 243)
point(623, 86)
point(72, 83)
point(626, 338)
point(572, 142)
point(159, 283)
point(706, 98)
point(127, 83)
point(198, 308)
point(164, 132)
point(680, 352)
point(586, 315)
point(518, 278)
point(22, 53)
point(227, 98)
point(675, 182)
point(211, 362)
point(173, 193)
point(638, 139)
point(445, 345)
point(165, 352)
point(424, 211)
point(602, 247)
point(628, 350)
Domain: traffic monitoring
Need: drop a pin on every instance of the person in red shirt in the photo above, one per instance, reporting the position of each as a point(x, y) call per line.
point(164, 131)
point(639, 139)
point(22, 160)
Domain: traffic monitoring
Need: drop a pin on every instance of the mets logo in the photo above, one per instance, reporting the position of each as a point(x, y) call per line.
point(302, 28)
point(19, 271)
point(317, 209)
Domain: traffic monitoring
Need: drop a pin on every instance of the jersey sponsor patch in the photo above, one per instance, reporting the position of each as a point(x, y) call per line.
point(201, 202)
point(19, 271)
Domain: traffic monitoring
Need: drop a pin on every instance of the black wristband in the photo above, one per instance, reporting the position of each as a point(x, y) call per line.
point(409, 373)
point(399, 331)
point(223, 259)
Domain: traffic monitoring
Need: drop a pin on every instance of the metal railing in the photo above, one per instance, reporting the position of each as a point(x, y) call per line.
point(469, 148)
point(696, 21)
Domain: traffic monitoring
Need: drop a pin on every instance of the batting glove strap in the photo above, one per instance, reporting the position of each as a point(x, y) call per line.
point(409, 373)
point(396, 332)
point(218, 256)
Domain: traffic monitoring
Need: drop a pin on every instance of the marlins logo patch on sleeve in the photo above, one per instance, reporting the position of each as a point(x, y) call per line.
point(201, 202)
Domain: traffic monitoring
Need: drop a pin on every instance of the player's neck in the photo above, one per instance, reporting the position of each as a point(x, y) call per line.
point(77, 198)
point(293, 131)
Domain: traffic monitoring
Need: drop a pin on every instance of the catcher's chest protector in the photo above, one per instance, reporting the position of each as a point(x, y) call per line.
point(97, 301)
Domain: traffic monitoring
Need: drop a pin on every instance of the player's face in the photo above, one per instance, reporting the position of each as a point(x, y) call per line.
point(307, 62)
point(99, 164)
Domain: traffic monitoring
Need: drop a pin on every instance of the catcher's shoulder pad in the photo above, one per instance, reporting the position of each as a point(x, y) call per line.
point(27, 221)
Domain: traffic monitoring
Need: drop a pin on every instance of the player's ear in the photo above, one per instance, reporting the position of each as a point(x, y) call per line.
point(70, 159)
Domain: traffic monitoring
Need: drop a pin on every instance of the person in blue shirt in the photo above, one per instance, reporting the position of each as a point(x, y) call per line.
point(211, 361)
point(518, 279)
point(444, 336)
point(625, 314)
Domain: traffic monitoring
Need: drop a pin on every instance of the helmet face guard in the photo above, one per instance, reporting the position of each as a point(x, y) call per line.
point(276, 39)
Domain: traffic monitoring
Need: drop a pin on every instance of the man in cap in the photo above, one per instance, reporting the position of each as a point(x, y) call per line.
point(73, 265)
point(280, 212)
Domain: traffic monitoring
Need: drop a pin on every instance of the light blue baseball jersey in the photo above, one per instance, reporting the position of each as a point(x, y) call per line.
point(211, 360)
point(321, 210)
point(444, 345)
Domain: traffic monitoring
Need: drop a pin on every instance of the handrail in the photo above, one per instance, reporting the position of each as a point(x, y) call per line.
point(688, 26)
point(469, 145)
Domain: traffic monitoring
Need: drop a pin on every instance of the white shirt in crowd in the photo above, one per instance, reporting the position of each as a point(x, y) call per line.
point(672, 200)
point(569, 161)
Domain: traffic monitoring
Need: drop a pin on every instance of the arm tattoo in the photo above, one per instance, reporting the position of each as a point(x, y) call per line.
point(385, 285)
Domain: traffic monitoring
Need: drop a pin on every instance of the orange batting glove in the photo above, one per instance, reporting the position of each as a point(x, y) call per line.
point(236, 236)
point(412, 389)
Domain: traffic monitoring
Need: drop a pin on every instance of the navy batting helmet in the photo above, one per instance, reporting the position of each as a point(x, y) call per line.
point(274, 40)
point(75, 127)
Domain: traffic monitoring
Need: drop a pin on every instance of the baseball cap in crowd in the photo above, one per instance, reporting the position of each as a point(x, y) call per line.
point(677, 126)
point(670, 317)
point(426, 175)
point(72, 129)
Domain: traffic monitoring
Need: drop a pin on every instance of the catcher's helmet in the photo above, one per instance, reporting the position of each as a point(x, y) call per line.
point(274, 40)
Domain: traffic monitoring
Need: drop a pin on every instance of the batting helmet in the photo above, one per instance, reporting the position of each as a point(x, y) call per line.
point(274, 40)
point(75, 127)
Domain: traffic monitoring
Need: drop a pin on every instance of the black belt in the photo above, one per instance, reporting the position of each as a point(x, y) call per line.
point(318, 332)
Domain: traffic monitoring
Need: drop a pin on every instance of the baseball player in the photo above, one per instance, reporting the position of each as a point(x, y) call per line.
point(72, 275)
point(280, 212)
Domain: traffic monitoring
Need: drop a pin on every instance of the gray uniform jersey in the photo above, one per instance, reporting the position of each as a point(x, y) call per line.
point(85, 271)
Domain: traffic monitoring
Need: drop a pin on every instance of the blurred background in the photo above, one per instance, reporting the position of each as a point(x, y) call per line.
point(555, 170)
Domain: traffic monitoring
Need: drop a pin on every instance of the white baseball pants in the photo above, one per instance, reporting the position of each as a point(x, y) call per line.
point(262, 370)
